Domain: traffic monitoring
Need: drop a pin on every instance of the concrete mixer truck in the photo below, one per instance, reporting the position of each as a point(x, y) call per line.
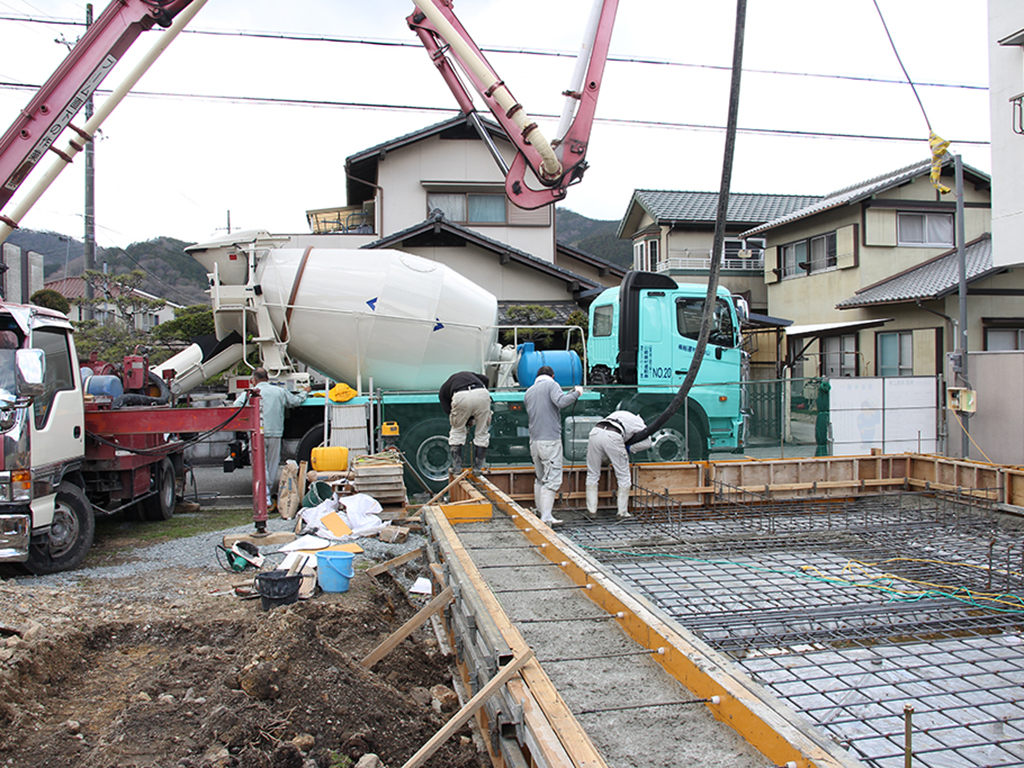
point(394, 326)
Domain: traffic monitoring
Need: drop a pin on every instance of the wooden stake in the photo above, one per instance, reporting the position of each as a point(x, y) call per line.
point(302, 495)
point(408, 628)
point(389, 564)
point(444, 490)
point(468, 711)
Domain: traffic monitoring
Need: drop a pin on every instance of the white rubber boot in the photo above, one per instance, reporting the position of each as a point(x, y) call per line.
point(591, 500)
point(536, 497)
point(622, 501)
point(547, 503)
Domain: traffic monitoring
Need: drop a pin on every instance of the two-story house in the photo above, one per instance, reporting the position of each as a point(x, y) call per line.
point(673, 232)
point(439, 194)
point(869, 275)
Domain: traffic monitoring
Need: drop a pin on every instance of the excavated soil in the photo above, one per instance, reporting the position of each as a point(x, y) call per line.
point(166, 670)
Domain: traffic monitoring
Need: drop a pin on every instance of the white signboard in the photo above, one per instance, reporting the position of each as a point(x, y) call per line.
point(893, 414)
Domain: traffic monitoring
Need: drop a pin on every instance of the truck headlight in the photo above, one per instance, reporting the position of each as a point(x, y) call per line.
point(21, 485)
point(16, 485)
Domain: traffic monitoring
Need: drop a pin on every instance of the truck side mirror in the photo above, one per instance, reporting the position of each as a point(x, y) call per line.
point(30, 368)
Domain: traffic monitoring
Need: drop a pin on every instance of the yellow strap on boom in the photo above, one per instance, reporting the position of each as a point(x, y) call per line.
point(938, 146)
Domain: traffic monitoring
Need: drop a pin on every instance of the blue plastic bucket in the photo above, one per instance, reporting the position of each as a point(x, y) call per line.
point(333, 570)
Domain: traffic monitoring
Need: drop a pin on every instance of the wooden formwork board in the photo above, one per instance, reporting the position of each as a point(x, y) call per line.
point(801, 478)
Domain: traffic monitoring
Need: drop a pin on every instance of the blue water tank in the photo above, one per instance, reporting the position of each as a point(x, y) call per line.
point(564, 362)
point(103, 386)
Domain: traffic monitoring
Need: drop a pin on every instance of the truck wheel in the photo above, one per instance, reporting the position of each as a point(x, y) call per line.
point(313, 438)
point(425, 447)
point(671, 441)
point(70, 534)
point(161, 506)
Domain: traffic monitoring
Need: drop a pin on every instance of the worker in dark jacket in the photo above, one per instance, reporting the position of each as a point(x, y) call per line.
point(465, 399)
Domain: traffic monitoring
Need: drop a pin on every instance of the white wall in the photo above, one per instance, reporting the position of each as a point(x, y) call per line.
point(406, 173)
point(1006, 79)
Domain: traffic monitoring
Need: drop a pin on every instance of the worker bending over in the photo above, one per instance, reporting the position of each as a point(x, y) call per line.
point(466, 400)
point(544, 400)
point(607, 443)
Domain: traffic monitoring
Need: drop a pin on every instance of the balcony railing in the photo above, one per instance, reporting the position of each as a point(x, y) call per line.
point(701, 260)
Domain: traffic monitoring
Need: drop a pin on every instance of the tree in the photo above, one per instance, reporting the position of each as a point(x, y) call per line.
point(50, 299)
point(188, 323)
point(525, 315)
point(117, 301)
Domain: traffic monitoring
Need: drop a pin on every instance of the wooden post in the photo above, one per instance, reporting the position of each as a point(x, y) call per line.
point(408, 628)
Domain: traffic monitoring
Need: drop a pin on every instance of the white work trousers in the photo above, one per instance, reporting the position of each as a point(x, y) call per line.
point(607, 446)
point(547, 463)
point(272, 454)
point(475, 403)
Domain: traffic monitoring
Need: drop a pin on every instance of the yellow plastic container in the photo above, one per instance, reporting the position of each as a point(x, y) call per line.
point(333, 459)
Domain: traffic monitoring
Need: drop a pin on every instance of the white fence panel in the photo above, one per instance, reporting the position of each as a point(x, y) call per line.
point(893, 414)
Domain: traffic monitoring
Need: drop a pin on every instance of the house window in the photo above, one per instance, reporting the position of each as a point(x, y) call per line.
point(740, 254)
point(645, 255)
point(823, 252)
point(927, 229)
point(805, 257)
point(1002, 339)
point(469, 207)
point(840, 356)
point(794, 256)
point(896, 354)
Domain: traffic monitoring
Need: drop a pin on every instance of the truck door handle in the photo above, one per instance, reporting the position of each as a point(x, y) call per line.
point(718, 353)
point(680, 373)
point(78, 432)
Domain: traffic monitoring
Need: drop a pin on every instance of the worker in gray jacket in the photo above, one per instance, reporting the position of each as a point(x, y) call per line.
point(607, 444)
point(544, 400)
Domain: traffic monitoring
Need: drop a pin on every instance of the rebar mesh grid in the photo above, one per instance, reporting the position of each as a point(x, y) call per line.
point(849, 609)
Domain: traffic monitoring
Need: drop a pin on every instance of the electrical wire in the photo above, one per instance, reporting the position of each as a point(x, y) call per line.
point(906, 74)
point(518, 50)
point(969, 437)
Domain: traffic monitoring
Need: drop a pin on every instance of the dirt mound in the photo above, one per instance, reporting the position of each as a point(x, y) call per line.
point(213, 681)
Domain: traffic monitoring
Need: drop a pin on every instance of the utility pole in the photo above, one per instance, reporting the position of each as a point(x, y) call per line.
point(965, 438)
point(89, 248)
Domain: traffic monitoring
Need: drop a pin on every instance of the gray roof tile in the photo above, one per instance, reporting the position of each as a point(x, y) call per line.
point(933, 279)
point(665, 205)
point(858, 192)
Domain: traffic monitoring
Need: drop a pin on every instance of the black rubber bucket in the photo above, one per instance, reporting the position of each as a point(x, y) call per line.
point(277, 588)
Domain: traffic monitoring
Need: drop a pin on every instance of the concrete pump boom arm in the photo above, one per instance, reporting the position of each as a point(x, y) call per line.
point(69, 87)
point(555, 164)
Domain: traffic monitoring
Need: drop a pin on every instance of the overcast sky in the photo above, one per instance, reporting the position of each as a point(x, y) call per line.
point(175, 164)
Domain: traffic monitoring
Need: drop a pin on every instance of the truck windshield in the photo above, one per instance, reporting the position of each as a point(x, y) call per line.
point(688, 316)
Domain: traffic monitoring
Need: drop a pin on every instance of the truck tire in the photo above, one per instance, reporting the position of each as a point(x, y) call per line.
point(313, 438)
point(673, 442)
point(425, 447)
point(70, 535)
point(161, 506)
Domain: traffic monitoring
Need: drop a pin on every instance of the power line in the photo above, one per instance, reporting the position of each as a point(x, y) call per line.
point(619, 59)
point(664, 124)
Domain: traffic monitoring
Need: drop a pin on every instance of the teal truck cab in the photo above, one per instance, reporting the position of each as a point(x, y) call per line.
point(643, 335)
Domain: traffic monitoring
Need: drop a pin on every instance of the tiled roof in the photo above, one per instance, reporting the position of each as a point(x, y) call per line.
point(666, 206)
point(858, 192)
point(419, 135)
point(74, 288)
point(933, 279)
point(437, 220)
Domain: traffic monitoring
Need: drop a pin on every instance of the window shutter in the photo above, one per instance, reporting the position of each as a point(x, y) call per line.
point(539, 217)
point(771, 263)
point(847, 247)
